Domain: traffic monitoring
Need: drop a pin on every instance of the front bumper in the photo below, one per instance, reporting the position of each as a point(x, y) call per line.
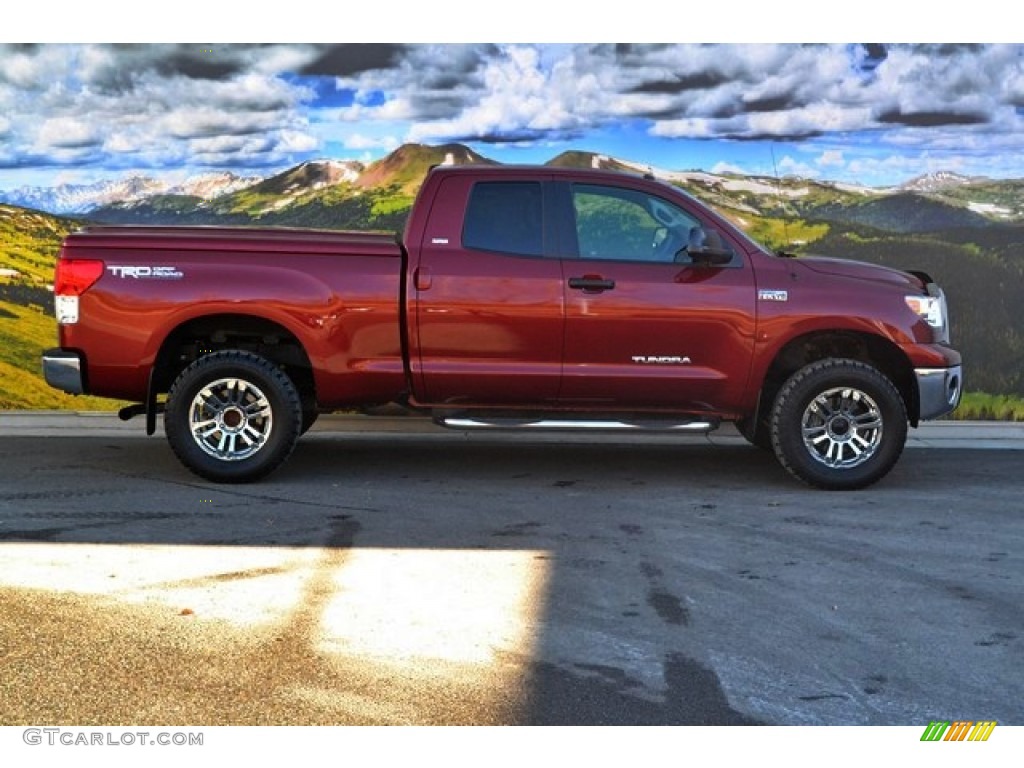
point(939, 391)
point(63, 371)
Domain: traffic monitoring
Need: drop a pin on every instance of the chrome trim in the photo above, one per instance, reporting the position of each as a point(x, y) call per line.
point(231, 419)
point(939, 391)
point(842, 427)
point(581, 424)
point(63, 370)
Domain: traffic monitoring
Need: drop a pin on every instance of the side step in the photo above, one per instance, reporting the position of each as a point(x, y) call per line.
point(578, 424)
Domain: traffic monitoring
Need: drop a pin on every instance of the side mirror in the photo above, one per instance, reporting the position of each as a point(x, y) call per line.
point(707, 247)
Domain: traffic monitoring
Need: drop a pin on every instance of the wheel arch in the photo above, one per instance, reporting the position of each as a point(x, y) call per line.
point(206, 334)
point(874, 350)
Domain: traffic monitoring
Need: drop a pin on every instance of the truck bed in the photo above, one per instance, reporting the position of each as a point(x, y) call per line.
point(248, 239)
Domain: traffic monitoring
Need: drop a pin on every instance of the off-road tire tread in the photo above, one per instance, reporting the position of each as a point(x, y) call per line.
point(288, 421)
point(873, 470)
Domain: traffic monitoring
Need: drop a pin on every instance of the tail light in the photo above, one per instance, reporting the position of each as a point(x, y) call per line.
point(75, 276)
point(72, 278)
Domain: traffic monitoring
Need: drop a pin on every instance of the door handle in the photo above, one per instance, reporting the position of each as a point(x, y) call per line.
point(591, 284)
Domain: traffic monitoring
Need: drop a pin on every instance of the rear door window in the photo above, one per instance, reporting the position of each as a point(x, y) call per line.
point(505, 217)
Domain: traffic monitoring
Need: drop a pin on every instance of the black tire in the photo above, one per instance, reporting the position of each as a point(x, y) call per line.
point(232, 417)
point(838, 424)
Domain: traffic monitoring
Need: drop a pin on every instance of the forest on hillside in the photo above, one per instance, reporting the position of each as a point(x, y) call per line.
point(981, 269)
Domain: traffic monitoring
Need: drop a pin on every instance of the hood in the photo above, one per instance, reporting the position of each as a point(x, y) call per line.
point(860, 270)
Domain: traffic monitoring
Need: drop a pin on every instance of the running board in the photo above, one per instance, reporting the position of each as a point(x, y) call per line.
point(645, 425)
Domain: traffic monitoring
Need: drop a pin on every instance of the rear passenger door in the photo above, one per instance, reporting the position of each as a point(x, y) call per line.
point(486, 300)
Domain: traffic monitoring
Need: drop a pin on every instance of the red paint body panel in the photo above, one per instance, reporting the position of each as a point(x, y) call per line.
point(449, 325)
point(700, 321)
point(336, 293)
point(486, 327)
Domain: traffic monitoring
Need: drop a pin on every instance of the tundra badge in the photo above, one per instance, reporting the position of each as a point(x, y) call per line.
point(661, 360)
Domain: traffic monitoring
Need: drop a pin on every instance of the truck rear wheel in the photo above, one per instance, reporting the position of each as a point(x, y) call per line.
point(838, 424)
point(233, 417)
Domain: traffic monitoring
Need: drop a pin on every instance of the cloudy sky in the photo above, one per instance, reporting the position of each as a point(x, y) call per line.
point(874, 114)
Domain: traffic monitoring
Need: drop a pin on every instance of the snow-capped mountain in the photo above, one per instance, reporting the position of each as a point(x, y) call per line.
point(82, 198)
point(211, 185)
point(935, 181)
point(311, 176)
point(79, 198)
point(301, 195)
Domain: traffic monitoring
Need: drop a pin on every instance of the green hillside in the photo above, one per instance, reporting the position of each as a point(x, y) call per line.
point(331, 208)
point(969, 237)
point(1003, 199)
point(29, 243)
point(903, 213)
point(317, 194)
point(404, 170)
point(984, 287)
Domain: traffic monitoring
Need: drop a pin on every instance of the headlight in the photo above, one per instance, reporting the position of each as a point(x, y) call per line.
point(932, 309)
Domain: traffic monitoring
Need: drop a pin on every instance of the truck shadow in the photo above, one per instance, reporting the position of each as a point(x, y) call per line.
point(422, 581)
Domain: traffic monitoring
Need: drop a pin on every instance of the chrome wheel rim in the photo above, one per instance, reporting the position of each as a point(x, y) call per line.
point(842, 427)
point(230, 419)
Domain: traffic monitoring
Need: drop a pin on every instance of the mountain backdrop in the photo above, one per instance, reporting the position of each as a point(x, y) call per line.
point(967, 232)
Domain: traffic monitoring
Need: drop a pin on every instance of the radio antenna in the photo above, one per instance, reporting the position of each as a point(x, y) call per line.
point(782, 204)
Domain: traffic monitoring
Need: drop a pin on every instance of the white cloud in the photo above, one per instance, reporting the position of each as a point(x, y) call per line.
point(789, 166)
point(66, 133)
point(121, 142)
point(190, 123)
point(168, 104)
point(296, 141)
point(35, 70)
point(725, 168)
point(225, 143)
point(462, 92)
point(830, 158)
point(691, 127)
point(519, 98)
point(358, 141)
point(20, 70)
point(147, 104)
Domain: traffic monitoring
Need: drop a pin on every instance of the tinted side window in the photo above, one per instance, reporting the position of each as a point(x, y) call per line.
point(627, 225)
point(505, 216)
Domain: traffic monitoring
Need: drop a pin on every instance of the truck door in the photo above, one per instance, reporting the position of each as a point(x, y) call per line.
point(486, 301)
point(645, 326)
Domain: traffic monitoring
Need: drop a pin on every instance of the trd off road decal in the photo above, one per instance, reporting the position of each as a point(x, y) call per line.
point(145, 272)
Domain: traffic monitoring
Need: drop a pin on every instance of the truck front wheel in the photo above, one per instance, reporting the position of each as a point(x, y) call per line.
point(838, 424)
point(232, 417)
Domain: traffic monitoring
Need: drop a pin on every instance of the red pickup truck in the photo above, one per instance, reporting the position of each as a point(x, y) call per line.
point(517, 297)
